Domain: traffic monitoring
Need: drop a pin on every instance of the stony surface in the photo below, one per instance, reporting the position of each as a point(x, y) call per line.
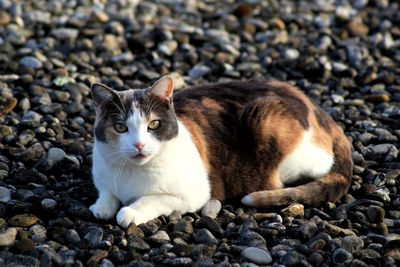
point(344, 54)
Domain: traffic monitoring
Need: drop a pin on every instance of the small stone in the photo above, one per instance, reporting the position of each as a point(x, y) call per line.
point(31, 119)
point(160, 237)
point(134, 230)
point(375, 214)
point(210, 224)
point(316, 259)
point(291, 258)
point(99, 16)
point(251, 239)
point(5, 194)
point(392, 240)
point(60, 81)
point(5, 130)
point(72, 236)
point(184, 226)
point(7, 237)
point(137, 243)
point(24, 245)
point(352, 243)
point(294, 209)
point(168, 47)
point(357, 28)
point(49, 203)
point(308, 230)
point(94, 236)
point(203, 236)
point(369, 255)
point(5, 18)
point(211, 208)
point(65, 33)
point(31, 62)
point(8, 105)
point(336, 230)
point(23, 220)
point(198, 71)
point(38, 233)
point(257, 255)
point(106, 263)
point(97, 256)
point(182, 261)
point(342, 256)
point(291, 54)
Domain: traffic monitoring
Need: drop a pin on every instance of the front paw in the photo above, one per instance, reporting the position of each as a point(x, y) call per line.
point(128, 215)
point(102, 212)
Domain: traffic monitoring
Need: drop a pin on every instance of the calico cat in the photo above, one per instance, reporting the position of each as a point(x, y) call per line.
point(156, 152)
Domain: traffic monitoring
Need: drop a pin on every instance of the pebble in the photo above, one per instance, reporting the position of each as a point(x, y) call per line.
point(7, 237)
point(49, 203)
point(65, 33)
point(291, 54)
point(73, 236)
point(94, 236)
point(184, 226)
point(160, 237)
point(341, 256)
point(375, 214)
point(203, 236)
point(251, 239)
point(293, 210)
point(352, 243)
point(31, 62)
point(39, 233)
point(199, 71)
point(137, 243)
point(257, 255)
point(211, 208)
point(5, 194)
point(23, 220)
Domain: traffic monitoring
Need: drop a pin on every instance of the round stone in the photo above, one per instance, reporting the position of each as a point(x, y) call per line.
point(342, 256)
point(7, 237)
point(5, 194)
point(211, 208)
point(31, 62)
point(49, 203)
point(257, 255)
point(23, 220)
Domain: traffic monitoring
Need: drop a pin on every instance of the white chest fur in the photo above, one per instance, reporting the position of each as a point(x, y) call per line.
point(177, 170)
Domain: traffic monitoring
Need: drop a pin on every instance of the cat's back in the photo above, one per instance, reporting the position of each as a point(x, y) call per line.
point(226, 101)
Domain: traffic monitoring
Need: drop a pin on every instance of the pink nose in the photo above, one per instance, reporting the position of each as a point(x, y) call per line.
point(139, 146)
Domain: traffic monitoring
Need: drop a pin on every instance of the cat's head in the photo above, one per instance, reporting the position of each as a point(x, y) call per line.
point(132, 126)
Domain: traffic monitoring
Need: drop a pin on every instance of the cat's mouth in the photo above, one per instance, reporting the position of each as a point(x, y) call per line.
point(138, 156)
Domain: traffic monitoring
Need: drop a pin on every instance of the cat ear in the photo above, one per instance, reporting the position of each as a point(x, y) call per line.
point(164, 87)
point(102, 94)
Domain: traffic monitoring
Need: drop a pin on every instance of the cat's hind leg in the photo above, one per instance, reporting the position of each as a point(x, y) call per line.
point(330, 187)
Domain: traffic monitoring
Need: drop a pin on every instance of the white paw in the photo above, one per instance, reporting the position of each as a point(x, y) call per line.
point(127, 215)
point(102, 212)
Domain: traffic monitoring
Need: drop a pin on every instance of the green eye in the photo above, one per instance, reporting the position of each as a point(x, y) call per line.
point(120, 127)
point(154, 124)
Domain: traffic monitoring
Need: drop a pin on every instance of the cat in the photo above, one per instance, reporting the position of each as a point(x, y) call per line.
point(156, 151)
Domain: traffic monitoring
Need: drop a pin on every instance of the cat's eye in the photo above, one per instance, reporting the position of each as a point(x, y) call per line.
point(153, 125)
point(120, 127)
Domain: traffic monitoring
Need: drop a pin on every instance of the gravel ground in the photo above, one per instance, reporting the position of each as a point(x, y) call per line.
point(344, 54)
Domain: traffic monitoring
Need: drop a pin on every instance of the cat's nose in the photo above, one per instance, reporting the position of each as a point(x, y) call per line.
point(139, 146)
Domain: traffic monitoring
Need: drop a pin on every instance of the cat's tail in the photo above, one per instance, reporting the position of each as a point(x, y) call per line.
point(330, 187)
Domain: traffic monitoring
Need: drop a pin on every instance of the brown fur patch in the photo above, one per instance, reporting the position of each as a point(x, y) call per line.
point(247, 128)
